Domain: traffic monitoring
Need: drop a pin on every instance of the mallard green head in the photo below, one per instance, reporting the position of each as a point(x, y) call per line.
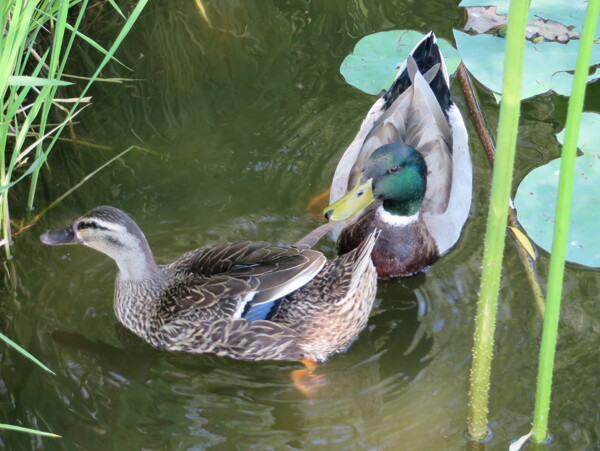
point(396, 174)
point(112, 232)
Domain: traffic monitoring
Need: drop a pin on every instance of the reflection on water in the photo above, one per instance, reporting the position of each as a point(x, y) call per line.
point(247, 118)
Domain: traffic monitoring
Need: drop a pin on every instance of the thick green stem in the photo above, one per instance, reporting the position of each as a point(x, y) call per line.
point(485, 321)
point(561, 225)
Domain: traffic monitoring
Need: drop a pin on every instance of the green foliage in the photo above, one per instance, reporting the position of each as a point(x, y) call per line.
point(23, 352)
point(29, 79)
point(374, 63)
point(561, 226)
point(536, 198)
point(570, 14)
point(10, 427)
point(547, 65)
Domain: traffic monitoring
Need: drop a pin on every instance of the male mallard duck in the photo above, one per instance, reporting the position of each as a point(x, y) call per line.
point(246, 300)
point(408, 171)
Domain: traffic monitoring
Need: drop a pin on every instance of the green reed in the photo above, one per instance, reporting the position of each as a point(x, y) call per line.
point(495, 234)
point(30, 75)
point(561, 224)
point(28, 82)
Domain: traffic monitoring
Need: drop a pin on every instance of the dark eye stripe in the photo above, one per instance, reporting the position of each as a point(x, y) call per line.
point(90, 225)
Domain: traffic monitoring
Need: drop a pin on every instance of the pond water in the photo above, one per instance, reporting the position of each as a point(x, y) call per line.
point(244, 120)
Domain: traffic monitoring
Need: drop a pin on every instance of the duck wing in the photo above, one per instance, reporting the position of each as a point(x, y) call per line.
point(246, 279)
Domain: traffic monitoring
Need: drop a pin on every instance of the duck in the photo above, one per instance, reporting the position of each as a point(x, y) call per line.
point(246, 300)
point(408, 171)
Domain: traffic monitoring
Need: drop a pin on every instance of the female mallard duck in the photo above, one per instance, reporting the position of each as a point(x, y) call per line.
point(408, 171)
point(246, 300)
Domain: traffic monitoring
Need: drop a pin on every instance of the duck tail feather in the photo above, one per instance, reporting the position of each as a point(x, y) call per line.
point(312, 237)
point(426, 55)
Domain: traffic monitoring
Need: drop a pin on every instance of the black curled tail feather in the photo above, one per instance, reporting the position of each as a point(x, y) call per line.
point(426, 54)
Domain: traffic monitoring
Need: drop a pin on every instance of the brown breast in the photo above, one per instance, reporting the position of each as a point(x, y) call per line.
point(399, 251)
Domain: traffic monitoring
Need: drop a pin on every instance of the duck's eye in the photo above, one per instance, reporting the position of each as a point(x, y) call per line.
point(394, 170)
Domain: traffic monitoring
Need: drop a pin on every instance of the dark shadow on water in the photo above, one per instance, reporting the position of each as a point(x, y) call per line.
point(132, 364)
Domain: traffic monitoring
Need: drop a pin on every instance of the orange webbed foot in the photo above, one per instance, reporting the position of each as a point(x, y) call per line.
point(305, 380)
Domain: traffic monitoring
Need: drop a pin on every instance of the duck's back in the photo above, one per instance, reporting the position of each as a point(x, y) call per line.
point(224, 299)
point(330, 311)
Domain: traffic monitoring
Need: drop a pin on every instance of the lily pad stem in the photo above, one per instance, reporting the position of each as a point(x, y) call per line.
point(490, 149)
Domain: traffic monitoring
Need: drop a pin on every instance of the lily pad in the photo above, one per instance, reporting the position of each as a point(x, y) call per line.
point(536, 199)
point(483, 19)
point(374, 63)
point(546, 64)
point(570, 14)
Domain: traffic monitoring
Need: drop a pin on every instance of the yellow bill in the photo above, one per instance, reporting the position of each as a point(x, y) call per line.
point(351, 203)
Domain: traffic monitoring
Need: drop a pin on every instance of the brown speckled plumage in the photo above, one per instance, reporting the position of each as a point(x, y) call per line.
point(197, 303)
point(338, 299)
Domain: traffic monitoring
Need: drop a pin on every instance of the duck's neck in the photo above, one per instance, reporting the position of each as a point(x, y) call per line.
point(395, 219)
point(137, 265)
point(139, 287)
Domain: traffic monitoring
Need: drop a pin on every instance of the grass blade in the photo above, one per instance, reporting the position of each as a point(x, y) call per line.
point(19, 349)
point(117, 9)
point(10, 427)
point(23, 80)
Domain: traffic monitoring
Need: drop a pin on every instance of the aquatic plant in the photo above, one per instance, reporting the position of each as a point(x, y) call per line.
point(487, 57)
point(35, 46)
point(37, 43)
point(495, 233)
point(561, 225)
point(482, 352)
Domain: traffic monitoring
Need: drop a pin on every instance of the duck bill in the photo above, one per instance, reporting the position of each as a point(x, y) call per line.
point(351, 203)
point(59, 237)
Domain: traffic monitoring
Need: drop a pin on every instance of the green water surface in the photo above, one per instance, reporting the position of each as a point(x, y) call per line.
point(246, 118)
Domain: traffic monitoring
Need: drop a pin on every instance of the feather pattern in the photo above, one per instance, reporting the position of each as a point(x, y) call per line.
point(247, 300)
point(417, 110)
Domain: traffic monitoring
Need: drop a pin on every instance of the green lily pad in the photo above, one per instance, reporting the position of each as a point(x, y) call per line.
point(374, 63)
point(570, 14)
point(536, 199)
point(545, 64)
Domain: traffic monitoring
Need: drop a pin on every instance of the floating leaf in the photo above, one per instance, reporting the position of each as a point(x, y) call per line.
point(523, 241)
point(545, 65)
point(536, 199)
point(484, 19)
point(570, 14)
point(374, 63)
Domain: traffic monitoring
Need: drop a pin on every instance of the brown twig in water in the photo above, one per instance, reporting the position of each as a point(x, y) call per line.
point(490, 150)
